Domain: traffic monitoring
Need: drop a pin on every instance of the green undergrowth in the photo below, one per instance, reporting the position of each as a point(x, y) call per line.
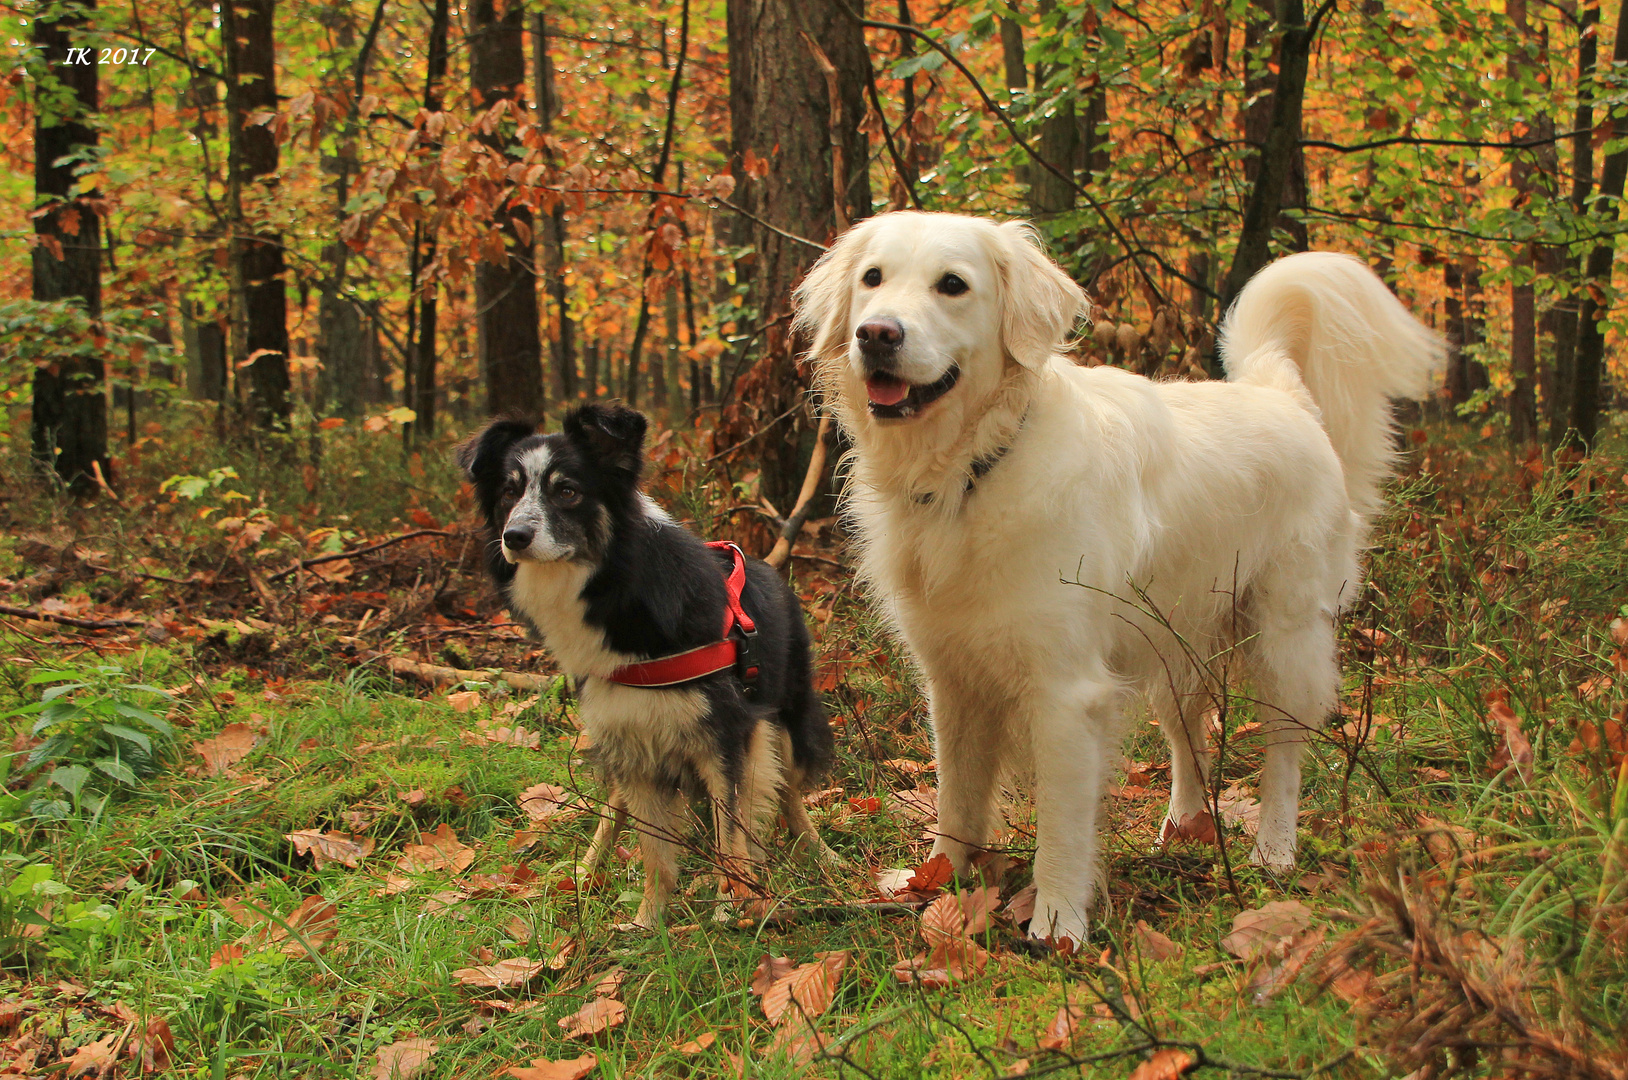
point(1492, 595)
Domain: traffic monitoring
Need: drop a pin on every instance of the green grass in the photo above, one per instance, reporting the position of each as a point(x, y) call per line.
point(1467, 575)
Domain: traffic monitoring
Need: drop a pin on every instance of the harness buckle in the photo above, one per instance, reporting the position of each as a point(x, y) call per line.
point(746, 659)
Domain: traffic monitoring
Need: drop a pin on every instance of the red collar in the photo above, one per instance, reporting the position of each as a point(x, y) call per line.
point(730, 652)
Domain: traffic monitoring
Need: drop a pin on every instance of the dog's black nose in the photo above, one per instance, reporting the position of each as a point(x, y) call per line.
point(880, 335)
point(517, 539)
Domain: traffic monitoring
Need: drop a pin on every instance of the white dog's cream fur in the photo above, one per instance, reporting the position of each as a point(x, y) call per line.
point(1051, 540)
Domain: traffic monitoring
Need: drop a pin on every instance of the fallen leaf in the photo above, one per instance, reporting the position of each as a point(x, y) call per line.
point(1239, 810)
point(1021, 907)
point(331, 847)
point(1198, 828)
point(956, 915)
point(1268, 979)
point(439, 850)
point(918, 804)
point(1060, 1032)
point(308, 927)
point(698, 1044)
point(225, 955)
point(599, 1015)
point(953, 961)
point(770, 970)
point(155, 1046)
point(518, 929)
point(1154, 945)
point(1515, 749)
point(463, 700)
point(543, 801)
point(544, 1069)
point(1165, 1064)
point(606, 983)
point(403, 1060)
point(1260, 929)
point(228, 748)
point(503, 975)
point(931, 875)
point(811, 986)
point(93, 1059)
point(798, 1042)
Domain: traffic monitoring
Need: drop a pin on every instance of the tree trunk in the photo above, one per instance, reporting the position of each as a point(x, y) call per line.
point(423, 362)
point(782, 112)
point(205, 346)
point(69, 425)
point(1058, 144)
point(1559, 407)
point(553, 238)
point(511, 347)
point(260, 328)
point(1586, 371)
point(1260, 89)
point(1523, 357)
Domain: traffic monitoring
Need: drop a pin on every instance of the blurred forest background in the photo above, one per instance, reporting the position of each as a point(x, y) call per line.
point(271, 220)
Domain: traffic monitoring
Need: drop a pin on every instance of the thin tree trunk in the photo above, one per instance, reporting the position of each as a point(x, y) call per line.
point(1261, 90)
point(1059, 144)
point(260, 326)
point(511, 347)
point(1582, 173)
point(69, 426)
point(553, 240)
point(1584, 416)
point(423, 363)
point(1523, 414)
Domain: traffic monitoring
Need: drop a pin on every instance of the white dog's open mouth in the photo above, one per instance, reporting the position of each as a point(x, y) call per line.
point(891, 398)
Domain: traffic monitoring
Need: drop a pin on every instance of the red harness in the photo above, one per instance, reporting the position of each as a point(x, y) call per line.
point(730, 652)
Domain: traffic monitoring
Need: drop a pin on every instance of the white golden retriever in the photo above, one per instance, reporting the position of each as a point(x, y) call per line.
point(1050, 540)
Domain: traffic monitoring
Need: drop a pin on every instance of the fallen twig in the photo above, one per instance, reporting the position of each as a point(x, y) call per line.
point(69, 620)
point(306, 564)
point(805, 497)
point(436, 675)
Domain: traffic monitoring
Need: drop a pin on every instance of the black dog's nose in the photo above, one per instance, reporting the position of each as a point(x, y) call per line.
point(880, 335)
point(517, 539)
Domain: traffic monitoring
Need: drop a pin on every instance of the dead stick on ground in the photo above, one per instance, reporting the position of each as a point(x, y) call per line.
point(69, 620)
point(306, 564)
point(436, 675)
point(805, 499)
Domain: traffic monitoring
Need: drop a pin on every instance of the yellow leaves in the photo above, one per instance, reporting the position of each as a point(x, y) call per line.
point(439, 850)
point(332, 847)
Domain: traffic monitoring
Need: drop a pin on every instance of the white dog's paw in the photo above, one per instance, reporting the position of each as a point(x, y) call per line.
point(1278, 858)
point(1062, 925)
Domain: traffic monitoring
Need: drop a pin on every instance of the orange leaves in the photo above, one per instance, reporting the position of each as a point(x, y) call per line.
point(806, 990)
point(1514, 749)
point(544, 1069)
point(596, 1017)
point(439, 850)
point(1260, 929)
point(404, 1060)
point(228, 748)
point(545, 802)
point(947, 926)
point(1166, 1064)
point(503, 975)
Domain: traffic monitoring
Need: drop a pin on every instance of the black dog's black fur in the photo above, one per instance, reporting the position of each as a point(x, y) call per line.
point(654, 589)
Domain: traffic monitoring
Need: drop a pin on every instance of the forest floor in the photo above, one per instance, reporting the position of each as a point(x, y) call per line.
point(341, 844)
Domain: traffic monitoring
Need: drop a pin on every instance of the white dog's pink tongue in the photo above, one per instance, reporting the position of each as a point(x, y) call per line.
point(886, 389)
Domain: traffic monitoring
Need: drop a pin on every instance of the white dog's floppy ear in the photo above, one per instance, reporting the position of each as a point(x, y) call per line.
point(1040, 303)
point(823, 298)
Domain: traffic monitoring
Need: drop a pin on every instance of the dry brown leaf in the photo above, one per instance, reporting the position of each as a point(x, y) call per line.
point(93, 1059)
point(308, 927)
point(544, 1069)
point(439, 850)
point(518, 929)
point(542, 802)
point(1198, 828)
point(1021, 906)
point(1154, 945)
point(228, 748)
point(1269, 979)
point(1167, 1064)
point(331, 847)
point(514, 736)
point(918, 804)
point(798, 1042)
point(404, 1060)
point(1062, 1029)
point(698, 1044)
point(225, 955)
point(1260, 929)
point(956, 960)
point(1515, 749)
point(606, 983)
point(154, 1046)
point(770, 970)
point(503, 975)
point(811, 986)
point(956, 915)
point(931, 875)
point(599, 1015)
point(463, 700)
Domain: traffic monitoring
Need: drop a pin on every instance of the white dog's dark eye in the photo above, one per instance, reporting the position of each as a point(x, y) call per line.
point(567, 495)
point(951, 285)
point(873, 277)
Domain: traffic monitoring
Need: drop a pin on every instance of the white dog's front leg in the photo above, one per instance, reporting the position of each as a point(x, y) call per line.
point(1072, 736)
point(967, 741)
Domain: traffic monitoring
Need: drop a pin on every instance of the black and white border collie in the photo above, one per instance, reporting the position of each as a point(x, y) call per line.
point(608, 579)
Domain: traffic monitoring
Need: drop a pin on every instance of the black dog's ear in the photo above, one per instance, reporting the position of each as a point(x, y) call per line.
point(613, 434)
point(482, 454)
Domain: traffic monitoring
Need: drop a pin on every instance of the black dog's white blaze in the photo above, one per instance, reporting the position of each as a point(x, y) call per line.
point(607, 579)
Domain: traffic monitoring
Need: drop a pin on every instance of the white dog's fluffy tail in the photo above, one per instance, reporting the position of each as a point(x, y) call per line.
point(1356, 346)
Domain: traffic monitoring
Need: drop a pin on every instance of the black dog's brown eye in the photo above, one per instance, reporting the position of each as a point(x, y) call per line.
point(873, 277)
point(567, 495)
point(951, 285)
point(512, 489)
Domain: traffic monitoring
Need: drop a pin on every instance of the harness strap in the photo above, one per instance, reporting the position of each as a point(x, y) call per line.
point(733, 651)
